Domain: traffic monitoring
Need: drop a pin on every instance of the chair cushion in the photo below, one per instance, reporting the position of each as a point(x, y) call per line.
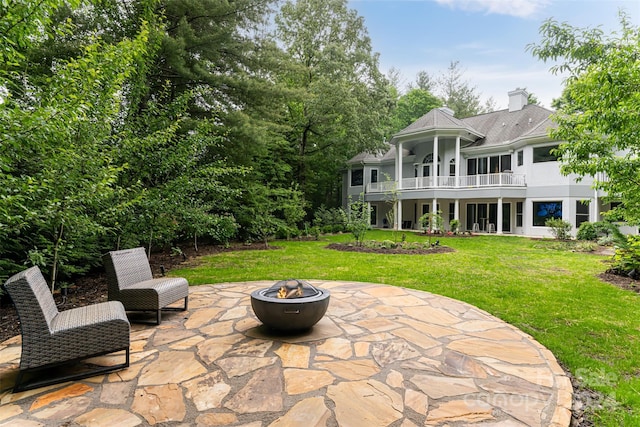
point(154, 294)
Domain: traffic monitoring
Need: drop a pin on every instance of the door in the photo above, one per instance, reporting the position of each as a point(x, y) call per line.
point(506, 217)
point(471, 216)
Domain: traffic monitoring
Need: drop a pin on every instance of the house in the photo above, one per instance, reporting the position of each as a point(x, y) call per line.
point(494, 172)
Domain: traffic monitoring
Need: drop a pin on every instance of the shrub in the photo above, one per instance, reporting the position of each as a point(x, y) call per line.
point(627, 257)
point(325, 218)
point(607, 240)
point(454, 225)
point(585, 246)
point(600, 230)
point(559, 228)
point(287, 232)
point(586, 231)
point(223, 228)
point(388, 244)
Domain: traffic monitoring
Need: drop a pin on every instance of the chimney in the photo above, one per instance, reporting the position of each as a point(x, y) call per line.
point(517, 99)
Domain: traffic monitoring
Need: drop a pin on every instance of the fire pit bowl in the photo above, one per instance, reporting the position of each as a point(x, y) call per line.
point(290, 305)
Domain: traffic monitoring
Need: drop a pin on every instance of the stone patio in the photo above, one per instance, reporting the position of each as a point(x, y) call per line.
point(381, 356)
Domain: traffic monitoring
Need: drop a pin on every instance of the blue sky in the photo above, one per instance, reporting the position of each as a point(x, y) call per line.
point(488, 37)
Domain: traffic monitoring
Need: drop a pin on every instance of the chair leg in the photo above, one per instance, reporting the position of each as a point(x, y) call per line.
point(186, 303)
point(20, 385)
point(159, 316)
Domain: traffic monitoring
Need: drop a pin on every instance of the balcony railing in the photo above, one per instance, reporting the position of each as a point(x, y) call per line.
point(503, 179)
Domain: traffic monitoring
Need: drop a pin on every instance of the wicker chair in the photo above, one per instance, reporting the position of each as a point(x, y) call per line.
point(131, 282)
point(51, 338)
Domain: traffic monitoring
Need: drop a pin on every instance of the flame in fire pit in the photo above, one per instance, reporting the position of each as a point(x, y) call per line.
point(292, 289)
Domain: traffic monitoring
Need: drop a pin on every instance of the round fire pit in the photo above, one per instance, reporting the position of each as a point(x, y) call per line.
point(290, 305)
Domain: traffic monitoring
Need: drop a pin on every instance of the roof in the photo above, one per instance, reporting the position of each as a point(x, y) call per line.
point(436, 119)
point(503, 126)
point(490, 129)
point(385, 154)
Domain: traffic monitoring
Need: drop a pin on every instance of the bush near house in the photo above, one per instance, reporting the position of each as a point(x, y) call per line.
point(559, 228)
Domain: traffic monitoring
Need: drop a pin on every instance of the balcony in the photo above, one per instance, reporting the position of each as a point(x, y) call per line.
point(503, 179)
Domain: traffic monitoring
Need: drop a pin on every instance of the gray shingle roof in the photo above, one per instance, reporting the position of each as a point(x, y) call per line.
point(436, 119)
point(502, 126)
point(495, 128)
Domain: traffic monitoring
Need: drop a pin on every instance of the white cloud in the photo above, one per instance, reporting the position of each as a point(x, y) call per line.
point(519, 8)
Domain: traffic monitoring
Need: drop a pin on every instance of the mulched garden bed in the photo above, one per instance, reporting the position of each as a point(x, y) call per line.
point(425, 251)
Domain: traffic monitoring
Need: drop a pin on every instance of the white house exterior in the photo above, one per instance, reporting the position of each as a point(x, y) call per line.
point(492, 172)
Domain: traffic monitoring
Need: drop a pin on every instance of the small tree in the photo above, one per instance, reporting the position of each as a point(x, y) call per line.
point(454, 224)
point(431, 222)
point(391, 198)
point(358, 220)
point(559, 228)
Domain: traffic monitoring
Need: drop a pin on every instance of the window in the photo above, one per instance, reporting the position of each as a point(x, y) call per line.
point(374, 175)
point(374, 215)
point(582, 212)
point(356, 177)
point(452, 167)
point(452, 211)
point(519, 214)
point(471, 166)
point(494, 164)
point(505, 162)
point(485, 165)
point(543, 154)
point(542, 211)
point(520, 158)
point(482, 166)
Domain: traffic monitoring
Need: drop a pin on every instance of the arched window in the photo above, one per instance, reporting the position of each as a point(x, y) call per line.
point(429, 159)
point(427, 164)
point(452, 167)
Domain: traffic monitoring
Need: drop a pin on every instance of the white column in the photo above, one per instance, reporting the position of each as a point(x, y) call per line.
point(499, 219)
point(399, 165)
point(399, 215)
point(434, 209)
point(594, 216)
point(434, 172)
point(456, 210)
point(457, 163)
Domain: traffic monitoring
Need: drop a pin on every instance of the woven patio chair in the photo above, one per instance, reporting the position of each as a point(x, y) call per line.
point(131, 282)
point(51, 338)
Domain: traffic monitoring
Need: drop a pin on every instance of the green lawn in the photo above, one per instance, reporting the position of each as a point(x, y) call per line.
point(592, 327)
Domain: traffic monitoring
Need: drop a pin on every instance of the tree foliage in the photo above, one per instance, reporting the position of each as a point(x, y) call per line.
point(411, 106)
point(168, 122)
point(458, 94)
point(338, 99)
point(599, 121)
point(55, 168)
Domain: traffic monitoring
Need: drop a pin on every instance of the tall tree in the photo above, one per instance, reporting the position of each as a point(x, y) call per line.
point(425, 82)
point(457, 93)
point(413, 105)
point(339, 99)
point(599, 120)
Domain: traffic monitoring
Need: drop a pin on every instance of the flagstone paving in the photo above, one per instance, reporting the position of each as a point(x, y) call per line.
point(381, 356)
